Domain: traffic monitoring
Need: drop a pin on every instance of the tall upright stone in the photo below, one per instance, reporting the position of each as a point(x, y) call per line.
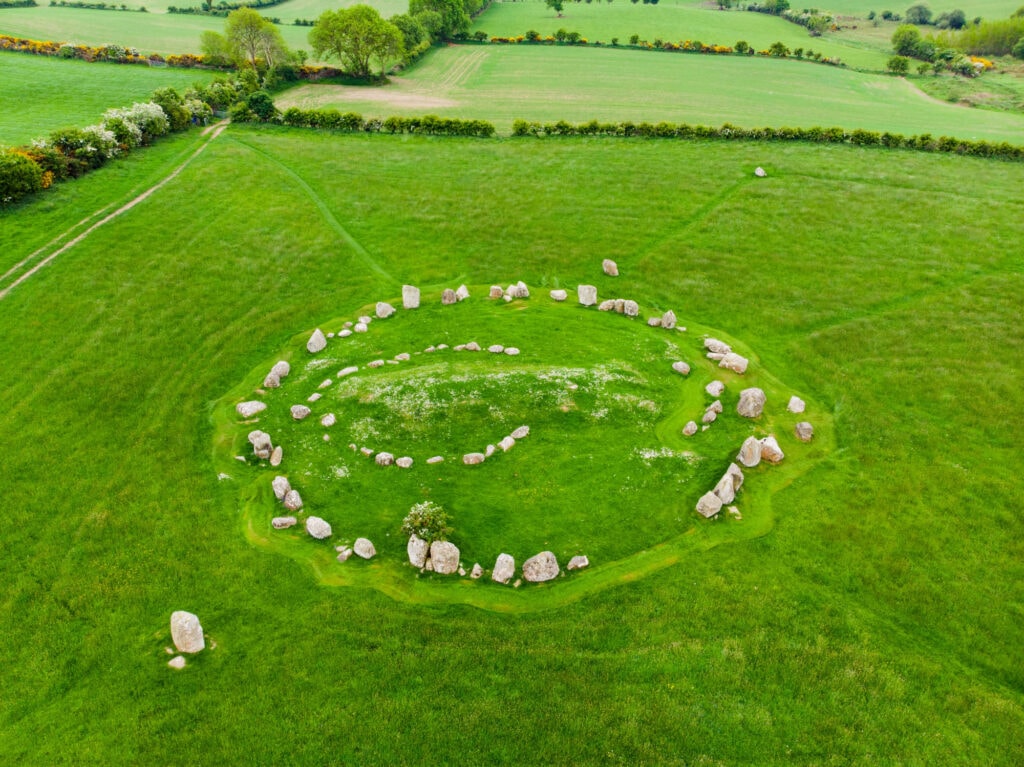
point(587, 295)
point(186, 632)
point(410, 297)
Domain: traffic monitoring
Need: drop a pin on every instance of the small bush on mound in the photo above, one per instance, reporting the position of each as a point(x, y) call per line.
point(427, 521)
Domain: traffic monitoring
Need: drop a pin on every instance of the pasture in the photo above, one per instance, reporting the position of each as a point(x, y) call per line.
point(504, 83)
point(871, 619)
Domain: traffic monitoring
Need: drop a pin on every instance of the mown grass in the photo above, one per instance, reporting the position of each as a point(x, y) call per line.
point(504, 83)
point(42, 94)
point(876, 621)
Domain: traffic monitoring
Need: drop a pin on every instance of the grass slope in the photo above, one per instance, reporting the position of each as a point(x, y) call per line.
point(875, 622)
point(42, 94)
point(502, 83)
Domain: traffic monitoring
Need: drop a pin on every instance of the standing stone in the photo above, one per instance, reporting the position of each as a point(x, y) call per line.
point(405, 462)
point(760, 172)
point(383, 310)
point(690, 429)
point(495, 348)
point(751, 403)
point(462, 293)
point(360, 327)
point(654, 322)
point(522, 291)
point(804, 431)
point(344, 553)
point(578, 562)
point(631, 308)
point(710, 416)
point(347, 371)
point(300, 411)
point(186, 632)
point(521, 433)
point(272, 381)
point(345, 333)
point(540, 568)
point(445, 557)
point(715, 406)
point(610, 267)
point(734, 362)
point(770, 450)
point(750, 452)
point(261, 445)
point(472, 346)
point(364, 548)
point(709, 505)
point(716, 346)
point(249, 409)
point(668, 320)
point(587, 295)
point(496, 291)
point(417, 549)
point(292, 500)
point(277, 456)
point(313, 397)
point(489, 451)
point(283, 523)
point(796, 405)
point(281, 369)
point(559, 295)
point(281, 486)
point(472, 459)
point(435, 459)
point(606, 306)
point(476, 572)
point(725, 489)
point(507, 443)
point(410, 297)
point(736, 473)
point(504, 569)
point(384, 459)
point(318, 528)
point(715, 388)
point(512, 351)
point(328, 420)
point(448, 297)
point(317, 342)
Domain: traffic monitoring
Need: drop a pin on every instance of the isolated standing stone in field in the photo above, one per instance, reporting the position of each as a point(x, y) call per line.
point(715, 388)
point(462, 293)
point(283, 523)
point(751, 403)
point(796, 405)
point(521, 433)
point(668, 320)
point(587, 294)
point(690, 429)
point(251, 408)
point(631, 308)
point(709, 505)
point(317, 342)
point(383, 310)
point(292, 500)
point(716, 346)
point(770, 450)
point(448, 297)
point(445, 557)
point(610, 267)
point(364, 548)
point(504, 568)
point(578, 562)
point(277, 456)
point(261, 445)
point(804, 431)
point(417, 550)
point(472, 459)
point(300, 411)
point(734, 362)
point(410, 297)
point(186, 632)
point(496, 291)
point(177, 662)
point(281, 486)
point(384, 459)
point(541, 567)
point(750, 452)
point(559, 295)
point(318, 528)
point(760, 172)
point(507, 443)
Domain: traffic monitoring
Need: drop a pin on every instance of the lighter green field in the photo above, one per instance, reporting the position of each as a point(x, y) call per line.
point(42, 94)
point(876, 618)
point(503, 83)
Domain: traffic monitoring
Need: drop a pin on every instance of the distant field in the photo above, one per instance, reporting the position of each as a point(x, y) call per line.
point(40, 94)
point(502, 83)
point(989, 9)
point(669, 20)
point(290, 9)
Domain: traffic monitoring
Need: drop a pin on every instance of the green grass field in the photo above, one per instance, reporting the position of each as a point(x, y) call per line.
point(876, 620)
point(503, 83)
point(43, 94)
point(988, 9)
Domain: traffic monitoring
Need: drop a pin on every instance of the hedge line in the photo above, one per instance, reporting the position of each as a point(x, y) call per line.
point(924, 142)
point(352, 122)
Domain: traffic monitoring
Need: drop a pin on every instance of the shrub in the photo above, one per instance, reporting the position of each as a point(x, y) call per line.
point(262, 105)
point(427, 521)
point(19, 176)
point(919, 14)
point(906, 39)
point(1018, 49)
point(173, 106)
point(898, 65)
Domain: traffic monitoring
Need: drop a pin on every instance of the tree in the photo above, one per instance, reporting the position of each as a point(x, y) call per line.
point(898, 65)
point(251, 36)
point(356, 36)
point(905, 39)
point(555, 5)
point(779, 49)
point(412, 29)
point(919, 14)
point(216, 49)
point(1018, 49)
point(454, 19)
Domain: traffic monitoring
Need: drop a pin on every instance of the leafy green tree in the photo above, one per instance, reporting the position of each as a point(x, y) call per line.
point(216, 49)
point(555, 5)
point(898, 65)
point(919, 14)
point(412, 29)
point(779, 49)
point(454, 19)
point(905, 39)
point(356, 36)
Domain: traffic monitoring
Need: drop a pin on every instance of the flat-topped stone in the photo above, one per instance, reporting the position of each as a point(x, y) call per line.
point(410, 297)
point(318, 528)
point(283, 523)
point(251, 408)
point(587, 295)
point(558, 295)
point(299, 412)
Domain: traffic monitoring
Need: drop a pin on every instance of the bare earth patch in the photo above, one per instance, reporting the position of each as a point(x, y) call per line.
point(398, 95)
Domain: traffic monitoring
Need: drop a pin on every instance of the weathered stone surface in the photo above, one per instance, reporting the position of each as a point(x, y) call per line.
point(751, 403)
point(725, 489)
point(272, 381)
point(186, 632)
point(404, 462)
point(364, 548)
point(496, 291)
point(375, 364)
point(507, 443)
point(750, 452)
point(177, 662)
point(559, 295)
point(384, 459)
point(796, 405)
point(715, 388)
point(403, 357)
point(668, 320)
point(610, 268)
point(281, 369)
point(313, 397)
point(292, 500)
point(504, 568)
point(277, 456)
point(734, 362)
point(317, 342)
point(328, 420)
point(410, 297)
point(631, 308)
point(344, 554)
point(361, 327)
point(299, 412)
point(578, 562)
point(804, 431)
point(318, 528)
point(476, 572)
point(281, 486)
point(710, 416)
point(770, 450)
point(521, 433)
point(445, 557)
point(261, 445)
point(345, 333)
point(607, 305)
point(736, 473)
point(472, 346)
point(512, 351)
point(251, 408)
point(495, 348)
point(435, 459)
point(472, 459)
point(383, 310)
point(462, 293)
point(365, 319)
point(448, 297)
point(325, 383)
point(283, 523)
point(690, 429)
point(522, 291)
point(417, 549)
point(716, 346)
point(760, 172)
point(366, 451)
point(709, 505)
point(587, 295)
point(347, 371)
point(654, 322)
point(715, 406)
point(541, 567)
point(715, 356)
point(489, 451)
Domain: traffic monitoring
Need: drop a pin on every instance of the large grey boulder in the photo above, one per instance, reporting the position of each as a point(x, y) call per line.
point(631, 308)
point(504, 568)
point(770, 450)
point(364, 548)
point(541, 567)
point(734, 362)
point(292, 500)
point(610, 267)
point(709, 505)
point(410, 297)
point(251, 408)
point(445, 557)
point(587, 294)
point(318, 528)
point(383, 310)
point(281, 486)
point(186, 632)
point(317, 342)
point(804, 431)
point(751, 403)
point(750, 452)
point(261, 445)
point(715, 388)
point(736, 473)
point(690, 429)
point(726, 489)
point(417, 549)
